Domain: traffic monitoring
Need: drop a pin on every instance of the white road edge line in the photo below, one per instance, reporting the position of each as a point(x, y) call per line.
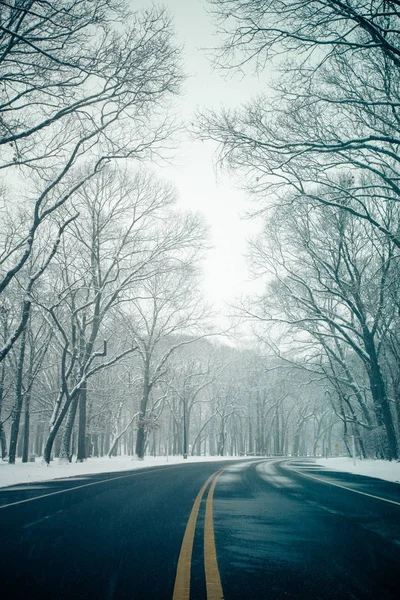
point(77, 487)
point(343, 486)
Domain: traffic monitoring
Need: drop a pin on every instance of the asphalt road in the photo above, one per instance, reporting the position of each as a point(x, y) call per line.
point(261, 529)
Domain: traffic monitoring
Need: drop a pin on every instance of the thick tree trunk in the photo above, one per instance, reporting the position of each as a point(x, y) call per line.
point(65, 448)
point(140, 442)
point(55, 429)
point(141, 434)
point(381, 402)
point(296, 440)
point(396, 393)
point(222, 438)
point(50, 441)
point(17, 409)
point(3, 442)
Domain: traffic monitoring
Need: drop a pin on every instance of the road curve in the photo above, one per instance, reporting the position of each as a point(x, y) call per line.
point(259, 529)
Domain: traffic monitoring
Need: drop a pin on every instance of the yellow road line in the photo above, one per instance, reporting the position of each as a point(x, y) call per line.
point(213, 579)
point(182, 579)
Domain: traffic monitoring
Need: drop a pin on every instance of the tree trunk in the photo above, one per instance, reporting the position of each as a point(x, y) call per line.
point(25, 446)
point(381, 402)
point(211, 439)
point(222, 438)
point(65, 449)
point(81, 456)
point(39, 438)
point(296, 440)
point(141, 434)
point(3, 442)
point(396, 394)
point(55, 429)
point(95, 442)
point(250, 447)
point(185, 429)
point(16, 412)
point(140, 442)
point(277, 432)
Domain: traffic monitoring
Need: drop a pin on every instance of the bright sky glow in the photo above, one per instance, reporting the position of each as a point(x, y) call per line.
point(200, 188)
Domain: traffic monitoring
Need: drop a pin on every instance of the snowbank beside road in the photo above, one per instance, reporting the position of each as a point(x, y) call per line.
point(34, 472)
point(381, 469)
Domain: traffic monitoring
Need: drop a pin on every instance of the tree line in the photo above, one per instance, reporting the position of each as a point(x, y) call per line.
point(106, 343)
point(319, 153)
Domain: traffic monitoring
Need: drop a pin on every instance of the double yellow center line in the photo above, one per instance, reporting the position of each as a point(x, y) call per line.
point(213, 580)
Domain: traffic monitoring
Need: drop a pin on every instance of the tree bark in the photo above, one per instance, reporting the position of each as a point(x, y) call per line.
point(27, 419)
point(3, 442)
point(17, 409)
point(141, 434)
point(65, 449)
point(54, 430)
point(381, 402)
point(81, 456)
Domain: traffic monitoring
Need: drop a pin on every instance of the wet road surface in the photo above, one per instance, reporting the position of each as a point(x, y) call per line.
point(259, 529)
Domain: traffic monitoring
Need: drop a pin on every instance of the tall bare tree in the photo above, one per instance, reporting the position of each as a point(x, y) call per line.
point(82, 84)
point(334, 105)
point(167, 316)
point(331, 288)
point(122, 239)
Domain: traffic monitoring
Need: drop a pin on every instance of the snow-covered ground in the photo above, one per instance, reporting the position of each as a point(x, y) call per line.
point(382, 469)
point(33, 472)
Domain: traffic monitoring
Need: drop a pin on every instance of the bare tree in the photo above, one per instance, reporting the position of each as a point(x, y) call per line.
point(335, 105)
point(330, 291)
point(188, 378)
point(116, 245)
point(167, 315)
point(82, 85)
point(32, 348)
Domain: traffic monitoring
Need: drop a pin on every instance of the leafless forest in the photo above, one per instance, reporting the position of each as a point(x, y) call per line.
point(106, 343)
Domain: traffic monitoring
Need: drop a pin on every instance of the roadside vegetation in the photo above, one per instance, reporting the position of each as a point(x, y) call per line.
point(107, 345)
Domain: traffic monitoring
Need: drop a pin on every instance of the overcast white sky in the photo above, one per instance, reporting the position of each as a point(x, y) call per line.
point(199, 187)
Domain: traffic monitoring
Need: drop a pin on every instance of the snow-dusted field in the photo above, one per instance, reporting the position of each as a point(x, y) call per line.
point(33, 472)
point(382, 469)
